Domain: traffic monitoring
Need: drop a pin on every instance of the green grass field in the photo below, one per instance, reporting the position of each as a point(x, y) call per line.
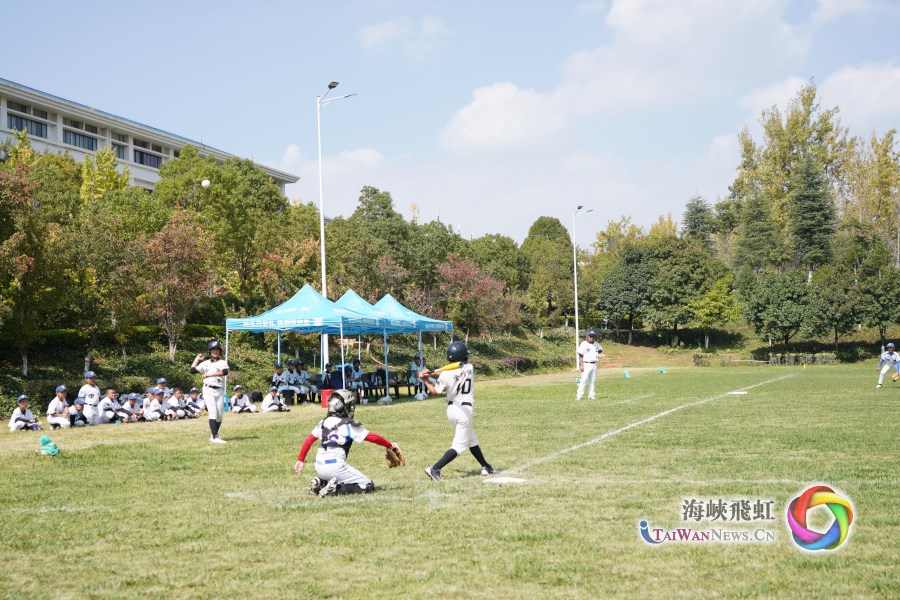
point(156, 511)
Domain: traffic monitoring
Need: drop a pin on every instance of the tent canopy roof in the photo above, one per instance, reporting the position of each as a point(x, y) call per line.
point(390, 306)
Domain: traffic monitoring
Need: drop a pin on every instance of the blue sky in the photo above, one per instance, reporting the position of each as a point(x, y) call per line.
point(487, 114)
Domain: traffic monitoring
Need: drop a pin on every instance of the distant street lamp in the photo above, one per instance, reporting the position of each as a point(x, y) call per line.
point(575, 270)
point(320, 102)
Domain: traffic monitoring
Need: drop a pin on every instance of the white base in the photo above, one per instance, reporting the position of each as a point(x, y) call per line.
point(421, 396)
point(385, 400)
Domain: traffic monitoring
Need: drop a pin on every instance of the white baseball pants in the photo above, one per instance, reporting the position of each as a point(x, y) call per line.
point(589, 373)
point(884, 371)
point(92, 413)
point(328, 468)
point(462, 418)
point(215, 402)
point(60, 421)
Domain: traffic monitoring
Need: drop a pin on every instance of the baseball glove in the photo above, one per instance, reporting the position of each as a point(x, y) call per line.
point(394, 457)
point(896, 376)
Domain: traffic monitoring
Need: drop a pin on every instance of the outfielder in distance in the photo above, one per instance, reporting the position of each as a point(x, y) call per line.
point(457, 380)
point(338, 431)
point(588, 354)
point(889, 359)
point(214, 370)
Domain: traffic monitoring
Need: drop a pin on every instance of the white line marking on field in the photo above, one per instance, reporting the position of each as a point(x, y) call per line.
point(641, 397)
point(737, 393)
point(505, 480)
point(614, 432)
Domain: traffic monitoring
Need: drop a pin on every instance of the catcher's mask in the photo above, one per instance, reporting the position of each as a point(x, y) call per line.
point(342, 404)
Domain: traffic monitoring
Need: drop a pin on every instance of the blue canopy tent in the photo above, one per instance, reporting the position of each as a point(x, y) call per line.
point(352, 301)
point(393, 309)
point(307, 311)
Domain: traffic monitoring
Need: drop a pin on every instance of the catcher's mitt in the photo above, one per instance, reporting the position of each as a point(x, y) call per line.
point(896, 376)
point(394, 457)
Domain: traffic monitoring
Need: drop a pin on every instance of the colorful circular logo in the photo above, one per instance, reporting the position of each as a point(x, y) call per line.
point(818, 495)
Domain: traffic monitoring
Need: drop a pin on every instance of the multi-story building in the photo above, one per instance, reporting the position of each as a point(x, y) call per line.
point(57, 124)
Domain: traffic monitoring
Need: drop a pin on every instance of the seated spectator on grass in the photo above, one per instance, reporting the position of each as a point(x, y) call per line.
point(77, 418)
point(58, 410)
point(22, 419)
point(272, 403)
point(174, 409)
point(195, 401)
point(133, 409)
point(110, 409)
point(153, 408)
point(240, 402)
point(279, 378)
point(182, 400)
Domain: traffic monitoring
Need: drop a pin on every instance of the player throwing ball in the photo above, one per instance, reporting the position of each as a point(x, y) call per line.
point(338, 431)
point(214, 370)
point(889, 360)
point(457, 380)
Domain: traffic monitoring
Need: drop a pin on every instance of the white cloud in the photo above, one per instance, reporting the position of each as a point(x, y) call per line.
point(868, 96)
point(829, 11)
point(662, 53)
point(343, 175)
point(775, 94)
point(411, 38)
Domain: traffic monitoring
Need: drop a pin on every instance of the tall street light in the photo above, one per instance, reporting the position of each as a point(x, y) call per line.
point(320, 102)
point(575, 270)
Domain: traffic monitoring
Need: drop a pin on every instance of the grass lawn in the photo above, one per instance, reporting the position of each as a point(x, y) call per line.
point(154, 510)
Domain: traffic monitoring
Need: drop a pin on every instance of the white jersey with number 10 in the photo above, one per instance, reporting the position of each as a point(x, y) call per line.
point(458, 385)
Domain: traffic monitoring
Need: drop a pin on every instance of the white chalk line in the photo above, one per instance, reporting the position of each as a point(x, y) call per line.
point(641, 397)
point(614, 432)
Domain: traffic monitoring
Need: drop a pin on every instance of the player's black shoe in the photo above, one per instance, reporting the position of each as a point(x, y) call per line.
point(315, 484)
point(433, 474)
point(329, 488)
point(489, 470)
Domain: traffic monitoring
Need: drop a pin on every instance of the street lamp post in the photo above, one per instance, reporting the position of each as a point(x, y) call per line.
point(320, 102)
point(575, 271)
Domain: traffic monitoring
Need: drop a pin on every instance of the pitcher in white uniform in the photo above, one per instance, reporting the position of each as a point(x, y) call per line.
point(458, 382)
point(214, 370)
point(889, 360)
point(588, 354)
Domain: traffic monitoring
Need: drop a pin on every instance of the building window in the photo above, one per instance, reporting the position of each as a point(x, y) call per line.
point(79, 140)
point(147, 159)
point(120, 137)
point(177, 153)
point(141, 143)
point(90, 129)
point(16, 106)
point(70, 123)
point(34, 127)
point(121, 151)
point(157, 148)
point(41, 114)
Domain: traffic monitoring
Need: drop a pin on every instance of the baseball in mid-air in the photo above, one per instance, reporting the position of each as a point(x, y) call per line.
point(205, 183)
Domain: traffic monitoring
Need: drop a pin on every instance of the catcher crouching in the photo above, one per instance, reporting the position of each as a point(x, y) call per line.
point(337, 432)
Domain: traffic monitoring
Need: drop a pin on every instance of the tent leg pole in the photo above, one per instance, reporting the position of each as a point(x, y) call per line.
point(279, 347)
point(343, 371)
point(226, 359)
point(387, 386)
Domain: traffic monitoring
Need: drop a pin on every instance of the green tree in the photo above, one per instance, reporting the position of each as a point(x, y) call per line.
point(757, 238)
point(548, 250)
point(699, 221)
point(499, 256)
point(812, 215)
point(835, 301)
point(625, 291)
point(100, 176)
point(777, 303)
point(718, 307)
point(878, 304)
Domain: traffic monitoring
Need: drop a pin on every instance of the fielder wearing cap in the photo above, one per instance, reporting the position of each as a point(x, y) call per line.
point(890, 359)
point(588, 354)
point(91, 394)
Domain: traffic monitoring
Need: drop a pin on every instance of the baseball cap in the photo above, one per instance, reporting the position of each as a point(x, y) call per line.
point(161, 381)
point(592, 333)
point(89, 374)
point(157, 390)
point(193, 390)
point(61, 388)
point(273, 389)
point(150, 390)
point(238, 387)
point(890, 345)
point(22, 397)
point(79, 400)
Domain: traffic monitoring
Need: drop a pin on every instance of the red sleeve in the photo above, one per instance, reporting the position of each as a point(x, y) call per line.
point(307, 444)
point(377, 439)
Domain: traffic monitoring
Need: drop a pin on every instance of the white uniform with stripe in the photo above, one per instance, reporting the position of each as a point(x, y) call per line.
point(331, 457)
point(58, 406)
point(107, 408)
point(153, 410)
point(306, 385)
point(91, 395)
point(589, 353)
point(213, 387)
point(239, 403)
point(174, 408)
point(15, 424)
point(458, 384)
point(270, 402)
point(890, 360)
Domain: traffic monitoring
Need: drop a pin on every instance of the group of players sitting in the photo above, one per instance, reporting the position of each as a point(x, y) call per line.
point(164, 403)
